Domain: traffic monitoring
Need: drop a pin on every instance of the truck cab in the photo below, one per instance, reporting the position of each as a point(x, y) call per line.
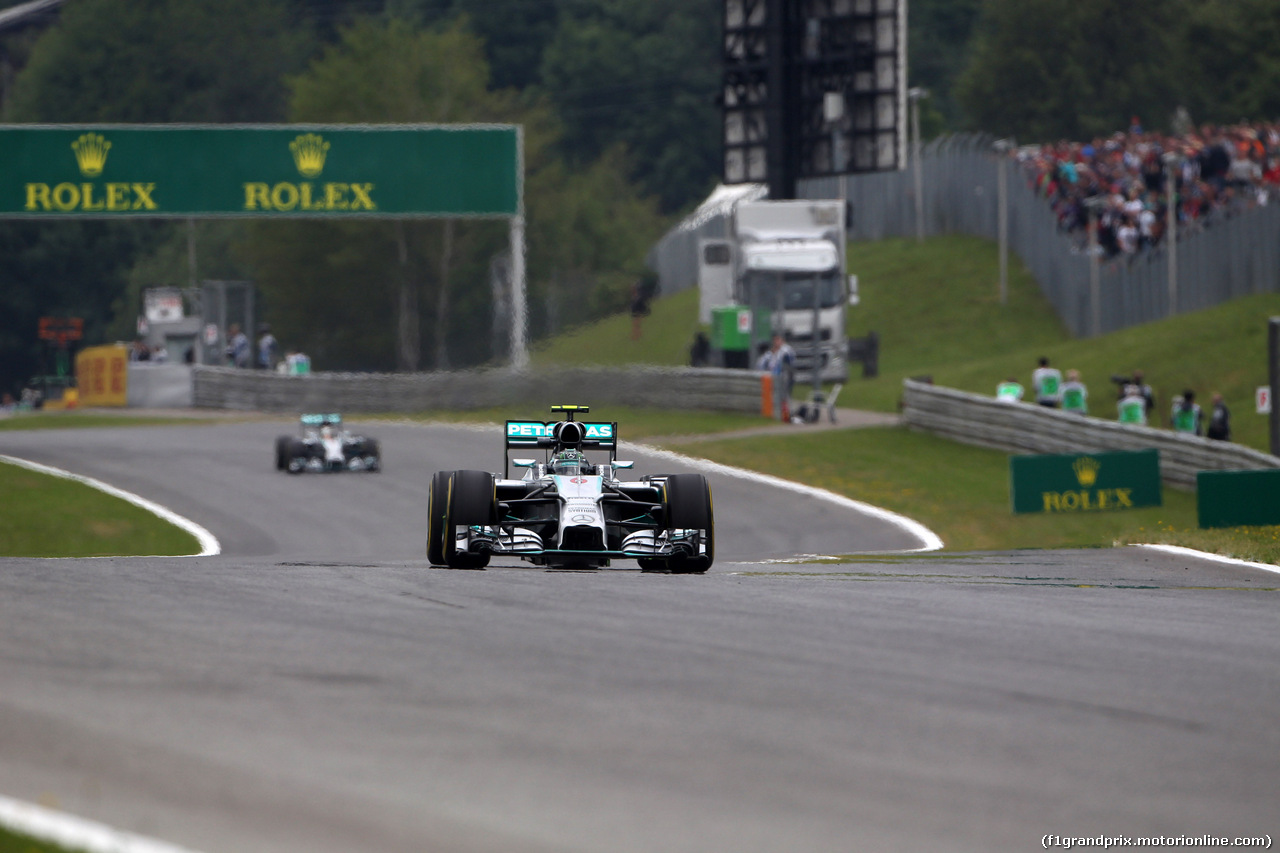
point(783, 271)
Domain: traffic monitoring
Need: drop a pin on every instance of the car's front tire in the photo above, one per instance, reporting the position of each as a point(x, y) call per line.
point(437, 503)
point(472, 502)
point(282, 452)
point(689, 507)
point(297, 457)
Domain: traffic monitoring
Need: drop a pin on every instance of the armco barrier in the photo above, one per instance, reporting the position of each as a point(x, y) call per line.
point(716, 389)
point(1028, 428)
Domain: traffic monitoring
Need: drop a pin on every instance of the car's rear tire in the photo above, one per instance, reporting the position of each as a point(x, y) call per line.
point(282, 452)
point(437, 503)
point(472, 501)
point(689, 507)
point(372, 451)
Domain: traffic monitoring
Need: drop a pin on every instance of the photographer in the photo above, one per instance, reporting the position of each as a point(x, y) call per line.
point(1143, 389)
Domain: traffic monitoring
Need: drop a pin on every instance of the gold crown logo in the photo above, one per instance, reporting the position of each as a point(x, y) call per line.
point(91, 153)
point(1086, 468)
point(309, 151)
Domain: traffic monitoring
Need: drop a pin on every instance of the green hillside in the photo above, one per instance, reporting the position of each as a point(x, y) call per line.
point(936, 308)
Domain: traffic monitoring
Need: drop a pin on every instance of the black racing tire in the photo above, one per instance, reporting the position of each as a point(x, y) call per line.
point(372, 448)
point(282, 452)
point(472, 501)
point(689, 507)
point(437, 503)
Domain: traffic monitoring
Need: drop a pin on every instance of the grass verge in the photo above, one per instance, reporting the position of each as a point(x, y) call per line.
point(12, 842)
point(962, 493)
point(78, 419)
point(46, 516)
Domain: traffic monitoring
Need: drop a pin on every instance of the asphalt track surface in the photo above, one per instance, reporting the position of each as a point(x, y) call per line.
point(316, 687)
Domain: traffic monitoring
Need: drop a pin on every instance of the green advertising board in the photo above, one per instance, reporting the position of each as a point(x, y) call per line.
point(274, 171)
point(1238, 498)
point(1086, 482)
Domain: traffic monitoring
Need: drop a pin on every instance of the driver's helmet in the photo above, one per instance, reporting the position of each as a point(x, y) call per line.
point(569, 463)
point(327, 432)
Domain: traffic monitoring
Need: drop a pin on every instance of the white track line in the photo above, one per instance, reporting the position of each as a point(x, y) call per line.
point(209, 544)
point(76, 833)
point(1205, 555)
point(930, 540)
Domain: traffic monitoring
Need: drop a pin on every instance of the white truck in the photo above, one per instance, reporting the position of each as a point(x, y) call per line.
point(783, 269)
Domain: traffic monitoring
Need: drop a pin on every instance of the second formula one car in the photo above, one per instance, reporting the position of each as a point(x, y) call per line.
point(323, 444)
point(568, 511)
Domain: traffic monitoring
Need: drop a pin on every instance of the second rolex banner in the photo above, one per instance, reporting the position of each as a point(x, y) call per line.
point(1085, 482)
point(49, 171)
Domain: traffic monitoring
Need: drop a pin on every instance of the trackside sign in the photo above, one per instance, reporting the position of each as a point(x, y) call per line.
point(534, 430)
point(280, 171)
point(1085, 482)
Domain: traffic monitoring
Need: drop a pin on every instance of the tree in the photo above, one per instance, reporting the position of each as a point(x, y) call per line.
point(1049, 69)
point(60, 269)
point(1231, 55)
point(644, 74)
point(515, 32)
point(161, 61)
point(939, 33)
point(387, 72)
point(124, 61)
point(588, 233)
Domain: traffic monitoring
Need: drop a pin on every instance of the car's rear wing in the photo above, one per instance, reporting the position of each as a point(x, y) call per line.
point(532, 435)
point(321, 419)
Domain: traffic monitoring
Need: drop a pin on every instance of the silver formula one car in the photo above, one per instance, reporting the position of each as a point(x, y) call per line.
point(567, 511)
point(323, 444)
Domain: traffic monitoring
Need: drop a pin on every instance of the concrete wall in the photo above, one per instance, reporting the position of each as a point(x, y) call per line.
point(1028, 428)
point(152, 385)
point(674, 388)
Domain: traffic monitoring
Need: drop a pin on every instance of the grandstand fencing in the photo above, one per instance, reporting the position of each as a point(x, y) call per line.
point(1234, 254)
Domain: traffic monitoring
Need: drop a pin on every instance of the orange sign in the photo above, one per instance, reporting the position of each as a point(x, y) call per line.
point(61, 329)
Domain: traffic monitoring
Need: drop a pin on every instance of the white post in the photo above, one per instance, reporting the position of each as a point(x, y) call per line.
point(1171, 230)
point(519, 301)
point(1095, 285)
point(1003, 147)
point(519, 348)
point(915, 94)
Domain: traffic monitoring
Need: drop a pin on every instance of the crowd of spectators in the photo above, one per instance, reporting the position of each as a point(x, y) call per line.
point(1217, 171)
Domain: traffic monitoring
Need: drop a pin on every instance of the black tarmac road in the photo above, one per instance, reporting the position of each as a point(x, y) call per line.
point(317, 687)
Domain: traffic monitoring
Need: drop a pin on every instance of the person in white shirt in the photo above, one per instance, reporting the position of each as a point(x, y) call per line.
point(1046, 382)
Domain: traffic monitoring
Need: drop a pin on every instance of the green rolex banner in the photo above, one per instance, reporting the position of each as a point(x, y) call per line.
point(294, 171)
point(1085, 482)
